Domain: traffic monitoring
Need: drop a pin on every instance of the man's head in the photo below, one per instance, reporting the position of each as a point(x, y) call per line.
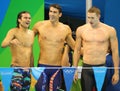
point(55, 12)
point(94, 10)
point(93, 16)
point(23, 19)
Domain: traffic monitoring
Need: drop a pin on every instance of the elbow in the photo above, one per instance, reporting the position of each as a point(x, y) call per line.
point(3, 45)
point(73, 47)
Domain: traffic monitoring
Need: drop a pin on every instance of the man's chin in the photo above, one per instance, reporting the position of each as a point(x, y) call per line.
point(51, 20)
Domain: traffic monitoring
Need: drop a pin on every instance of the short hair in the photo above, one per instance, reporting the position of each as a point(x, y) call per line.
point(19, 16)
point(94, 10)
point(57, 6)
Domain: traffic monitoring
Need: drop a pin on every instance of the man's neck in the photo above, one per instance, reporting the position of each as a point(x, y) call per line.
point(54, 23)
point(23, 29)
point(96, 26)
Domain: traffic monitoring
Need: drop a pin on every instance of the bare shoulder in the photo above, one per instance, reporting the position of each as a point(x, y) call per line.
point(13, 30)
point(30, 32)
point(37, 26)
point(110, 29)
point(80, 29)
point(66, 28)
point(39, 23)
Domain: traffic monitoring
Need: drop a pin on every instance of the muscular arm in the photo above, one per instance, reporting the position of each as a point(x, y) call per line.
point(10, 35)
point(70, 39)
point(115, 57)
point(65, 57)
point(114, 48)
point(35, 28)
point(77, 48)
point(31, 59)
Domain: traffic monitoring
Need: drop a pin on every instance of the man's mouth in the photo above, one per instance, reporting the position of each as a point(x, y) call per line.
point(91, 23)
point(27, 23)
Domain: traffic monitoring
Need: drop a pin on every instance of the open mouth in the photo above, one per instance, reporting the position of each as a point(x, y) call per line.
point(27, 23)
point(91, 23)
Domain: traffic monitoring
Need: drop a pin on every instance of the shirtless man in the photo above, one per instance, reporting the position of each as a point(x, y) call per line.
point(95, 38)
point(20, 40)
point(51, 36)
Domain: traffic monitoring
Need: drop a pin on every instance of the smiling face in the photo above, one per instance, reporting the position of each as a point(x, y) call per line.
point(54, 14)
point(25, 20)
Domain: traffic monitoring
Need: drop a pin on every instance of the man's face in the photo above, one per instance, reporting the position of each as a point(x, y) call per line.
point(25, 20)
point(54, 14)
point(93, 19)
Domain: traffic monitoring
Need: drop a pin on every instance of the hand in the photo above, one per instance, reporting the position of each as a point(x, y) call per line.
point(26, 69)
point(15, 42)
point(76, 76)
point(115, 79)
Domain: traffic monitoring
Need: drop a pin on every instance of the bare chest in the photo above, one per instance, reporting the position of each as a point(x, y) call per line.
point(55, 35)
point(95, 36)
point(26, 39)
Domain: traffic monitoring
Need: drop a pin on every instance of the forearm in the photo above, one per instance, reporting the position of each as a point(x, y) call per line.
point(5, 44)
point(76, 57)
point(116, 64)
point(73, 45)
point(32, 60)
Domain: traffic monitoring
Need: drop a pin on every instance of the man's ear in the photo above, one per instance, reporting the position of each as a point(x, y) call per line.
point(19, 20)
point(60, 14)
point(99, 16)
